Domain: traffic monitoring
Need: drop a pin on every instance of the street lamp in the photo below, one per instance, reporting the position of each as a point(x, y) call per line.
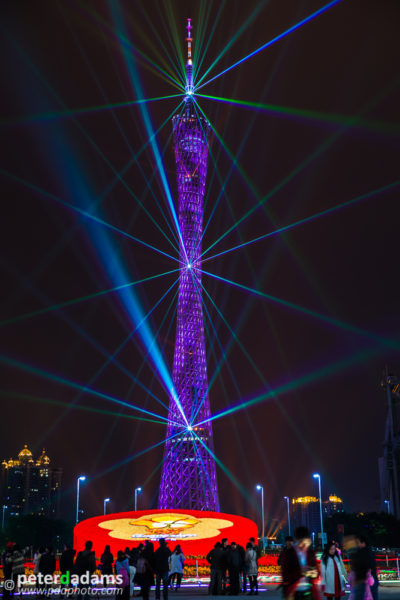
point(137, 491)
point(288, 512)
point(387, 502)
point(318, 476)
point(261, 488)
point(79, 479)
point(4, 510)
point(105, 504)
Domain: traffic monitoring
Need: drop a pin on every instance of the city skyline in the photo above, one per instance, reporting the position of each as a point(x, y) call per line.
point(308, 126)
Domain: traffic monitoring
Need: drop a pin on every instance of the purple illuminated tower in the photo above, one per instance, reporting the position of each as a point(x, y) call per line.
point(188, 478)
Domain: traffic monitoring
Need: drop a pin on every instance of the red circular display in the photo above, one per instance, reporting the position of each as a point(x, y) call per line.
point(196, 531)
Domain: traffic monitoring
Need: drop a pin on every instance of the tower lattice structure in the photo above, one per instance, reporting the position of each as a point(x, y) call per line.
point(189, 476)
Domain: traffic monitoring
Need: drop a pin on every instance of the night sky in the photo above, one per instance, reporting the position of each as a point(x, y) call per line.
point(342, 68)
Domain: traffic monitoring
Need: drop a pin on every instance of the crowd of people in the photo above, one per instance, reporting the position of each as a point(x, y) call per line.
point(233, 568)
point(303, 578)
point(231, 563)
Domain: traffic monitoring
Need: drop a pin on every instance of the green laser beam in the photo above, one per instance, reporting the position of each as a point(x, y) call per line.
point(390, 343)
point(139, 55)
point(108, 437)
point(298, 383)
point(75, 112)
point(42, 311)
point(224, 468)
point(233, 40)
point(335, 119)
point(323, 213)
point(84, 213)
point(52, 402)
point(62, 380)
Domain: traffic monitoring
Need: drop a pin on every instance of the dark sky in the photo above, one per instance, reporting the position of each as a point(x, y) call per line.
point(60, 56)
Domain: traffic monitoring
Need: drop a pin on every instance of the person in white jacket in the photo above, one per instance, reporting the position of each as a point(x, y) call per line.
point(333, 573)
point(176, 563)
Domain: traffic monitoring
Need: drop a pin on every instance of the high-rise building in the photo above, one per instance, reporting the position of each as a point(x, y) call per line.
point(188, 478)
point(30, 487)
point(305, 512)
point(333, 505)
point(389, 463)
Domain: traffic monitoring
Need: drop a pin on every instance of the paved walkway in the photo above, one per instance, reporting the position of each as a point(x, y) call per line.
point(268, 592)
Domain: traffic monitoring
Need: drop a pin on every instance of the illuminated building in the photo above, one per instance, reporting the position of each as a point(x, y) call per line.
point(30, 487)
point(188, 478)
point(333, 505)
point(305, 512)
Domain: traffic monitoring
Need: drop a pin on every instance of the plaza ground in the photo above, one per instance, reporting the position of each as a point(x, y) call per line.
point(271, 592)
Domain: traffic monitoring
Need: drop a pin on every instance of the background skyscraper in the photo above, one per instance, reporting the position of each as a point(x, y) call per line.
point(30, 487)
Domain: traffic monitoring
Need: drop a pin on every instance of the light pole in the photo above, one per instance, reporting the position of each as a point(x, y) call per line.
point(387, 502)
point(137, 491)
point(106, 500)
point(318, 476)
point(288, 512)
point(4, 510)
point(79, 479)
point(260, 487)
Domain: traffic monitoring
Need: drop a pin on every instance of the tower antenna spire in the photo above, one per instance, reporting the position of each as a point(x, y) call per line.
point(189, 41)
point(189, 64)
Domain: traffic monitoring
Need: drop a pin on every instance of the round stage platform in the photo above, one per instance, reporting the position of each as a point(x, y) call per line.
point(196, 531)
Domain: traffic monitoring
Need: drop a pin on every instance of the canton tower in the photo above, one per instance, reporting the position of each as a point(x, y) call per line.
point(188, 478)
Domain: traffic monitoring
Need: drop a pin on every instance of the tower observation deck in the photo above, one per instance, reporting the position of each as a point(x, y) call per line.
point(188, 478)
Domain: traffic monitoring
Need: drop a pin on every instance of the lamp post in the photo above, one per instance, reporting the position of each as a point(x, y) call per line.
point(137, 491)
point(106, 500)
point(288, 512)
point(4, 510)
point(79, 479)
point(261, 488)
point(387, 502)
point(318, 476)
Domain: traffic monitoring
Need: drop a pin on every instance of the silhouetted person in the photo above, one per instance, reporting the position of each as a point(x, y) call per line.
point(67, 559)
point(47, 564)
point(7, 566)
point(299, 568)
point(161, 568)
point(234, 563)
point(225, 548)
point(363, 543)
point(144, 575)
point(106, 561)
point(360, 571)
point(216, 559)
point(18, 565)
point(251, 568)
point(288, 544)
point(85, 562)
point(177, 560)
point(122, 569)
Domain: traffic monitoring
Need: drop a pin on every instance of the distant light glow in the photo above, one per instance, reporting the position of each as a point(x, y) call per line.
point(316, 476)
point(82, 478)
point(259, 487)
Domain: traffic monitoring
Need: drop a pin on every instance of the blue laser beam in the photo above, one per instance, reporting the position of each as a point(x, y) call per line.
point(273, 41)
point(137, 87)
point(390, 343)
point(323, 213)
